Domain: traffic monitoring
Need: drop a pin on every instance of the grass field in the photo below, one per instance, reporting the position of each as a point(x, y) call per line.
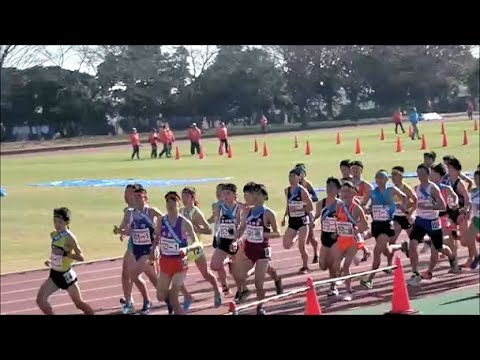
point(26, 211)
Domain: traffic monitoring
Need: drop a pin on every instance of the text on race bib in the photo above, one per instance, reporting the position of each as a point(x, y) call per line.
point(380, 213)
point(254, 234)
point(436, 225)
point(344, 228)
point(70, 276)
point(329, 225)
point(226, 231)
point(295, 209)
point(268, 252)
point(169, 247)
point(141, 237)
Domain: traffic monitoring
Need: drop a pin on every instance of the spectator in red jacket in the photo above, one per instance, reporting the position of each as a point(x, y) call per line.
point(397, 120)
point(135, 141)
point(194, 134)
point(222, 134)
point(152, 139)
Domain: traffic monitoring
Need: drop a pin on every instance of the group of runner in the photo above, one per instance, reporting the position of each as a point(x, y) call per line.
point(443, 208)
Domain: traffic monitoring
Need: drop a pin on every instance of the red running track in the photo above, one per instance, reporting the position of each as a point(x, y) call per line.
point(101, 287)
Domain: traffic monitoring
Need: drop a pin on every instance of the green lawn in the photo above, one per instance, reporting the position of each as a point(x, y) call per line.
point(26, 211)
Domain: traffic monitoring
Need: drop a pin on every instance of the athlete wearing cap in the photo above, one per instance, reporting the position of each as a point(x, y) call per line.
point(64, 251)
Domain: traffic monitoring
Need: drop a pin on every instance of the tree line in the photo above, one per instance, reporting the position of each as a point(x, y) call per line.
point(142, 85)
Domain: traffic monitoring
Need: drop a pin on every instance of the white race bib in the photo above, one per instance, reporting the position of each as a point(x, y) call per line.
point(226, 231)
point(295, 209)
point(329, 225)
point(70, 276)
point(254, 234)
point(436, 225)
point(141, 237)
point(380, 213)
point(56, 261)
point(344, 228)
point(268, 252)
point(169, 247)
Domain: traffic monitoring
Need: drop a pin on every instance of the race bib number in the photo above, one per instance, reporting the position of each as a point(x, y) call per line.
point(169, 247)
point(436, 225)
point(329, 225)
point(254, 234)
point(70, 276)
point(344, 228)
point(141, 237)
point(306, 220)
point(197, 251)
point(380, 213)
point(295, 209)
point(268, 252)
point(227, 231)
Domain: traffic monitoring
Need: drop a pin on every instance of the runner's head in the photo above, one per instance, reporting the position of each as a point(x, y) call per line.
point(446, 159)
point(347, 191)
point(294, 176)
point(345, 166)
point(381, 178)
point(248, 193)
point(128, 195)
point(454, 167)
point(172, 201)
point(219, 192)
point(476, 178)
point(260, 194)
point(61, 218)
point(139, 196)
point(303, 170)
point(229, 192)
point(333, 186)
point(429, 158)
point(438, 172)
point(189, 196)
point(423, 172)
point(356, 169)
point(478, 167)
point(397, 175)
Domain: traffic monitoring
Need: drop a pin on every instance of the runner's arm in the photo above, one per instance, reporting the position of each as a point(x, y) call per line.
point(215, 213)
point(318, 210)
point(243, 224)
point(469, 182)
point(359, 215)
point(307, 200)
point(439, 203)
point(124, 228)
point(72, 244)
point(311, 191)
point(452, 194)
point(366, 197)
point(272, 220)
point(188, 229)
point(400, 194)
point(199, 219)
point(466, 195)
point(412, 200)
point(286, 206)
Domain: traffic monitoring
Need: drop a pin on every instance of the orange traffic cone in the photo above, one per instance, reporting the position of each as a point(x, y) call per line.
point(265, 150)
point(382, 135)
point(358, 148)
point(410, 131)
point(444, 140)
point(312, 307)
point(399, 145)
point(255, 146)
point(177, 153)
point(443, 128)
point(296, 143)
point(307, 149)
point(338, 138)
point(475, 125)
point(232, 308)
point(220, 149)
point(230, 151)
point(200, 154)
point(465, 138)
point(400, 299)
point(424, 143)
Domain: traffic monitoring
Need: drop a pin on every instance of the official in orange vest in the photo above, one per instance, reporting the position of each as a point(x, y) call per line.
point(152, 139)
point(135, 141)
point(194, 134)
point(222, 134)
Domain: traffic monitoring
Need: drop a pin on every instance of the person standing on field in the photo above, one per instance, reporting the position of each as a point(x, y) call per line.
point(135, 141)
point(170, 140)
point(194, 135)
point(397, 120)
point(222, 134)
point(152, 139)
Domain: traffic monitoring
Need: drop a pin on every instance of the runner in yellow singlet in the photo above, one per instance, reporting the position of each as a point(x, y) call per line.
point(65, 250)
point(200, 225)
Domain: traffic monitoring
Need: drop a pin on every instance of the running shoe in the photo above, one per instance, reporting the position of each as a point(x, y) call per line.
point(405, 249)
point(187, 302)
point(426, 275)
point(315, 259)
point(279, 286)
point(304, 270)
point(169, 307)
point(217, 300)
point(367, 283)
point(261, 311)
point(226, 290)
point(347, 296)
point(333, 292)
point(474, 263)
point(127, 309)
point(366, 255)
point(146, 307)
point(415, 280)
point(454, 268)
point(123, 301)
point(243, 296)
